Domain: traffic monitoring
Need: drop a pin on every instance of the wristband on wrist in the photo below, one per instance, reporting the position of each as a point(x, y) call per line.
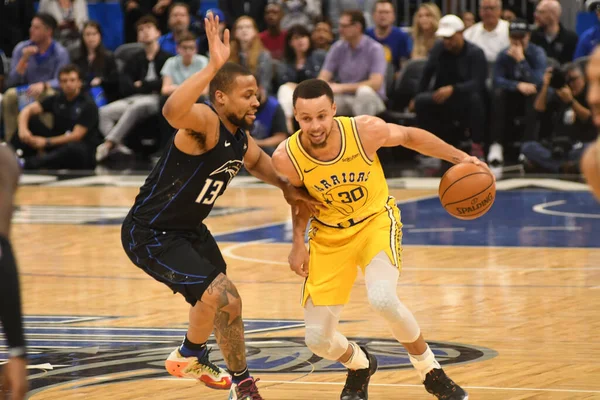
point(17, 352)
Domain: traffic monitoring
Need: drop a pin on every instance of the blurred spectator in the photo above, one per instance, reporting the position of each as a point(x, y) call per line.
point(71, 141)
point(176, 70)
point(254, 9)
point(269, 128)
point(97, 64)
point(70, 15)
point(569, 127)
point(322, 35)
point(1, 85)
point(15, 20)
point(33, 69)
point(197, 28)
point(273, 38)
point(355, 68)
point(247, 50)
point(301, 12)
point(491, 34)
point(141, 84)
point(425, 24)
point(458, 70)
point(337, 8)
point(133, 10)
point(509, 15)
point(518, 74)
point(179, 23)
point(300, 62)
point(396, 43)
point(589, 39)
point(558, 42)
point(468, 19)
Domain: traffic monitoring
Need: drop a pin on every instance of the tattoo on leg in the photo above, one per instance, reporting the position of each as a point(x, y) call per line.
point(229, 327)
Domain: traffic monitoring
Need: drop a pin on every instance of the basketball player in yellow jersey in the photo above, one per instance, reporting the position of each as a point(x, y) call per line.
point(590, 162)
point(359, 225)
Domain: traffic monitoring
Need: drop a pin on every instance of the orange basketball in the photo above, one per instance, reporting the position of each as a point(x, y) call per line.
point(467, 191)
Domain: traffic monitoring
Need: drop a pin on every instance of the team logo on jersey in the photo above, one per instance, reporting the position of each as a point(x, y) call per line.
point(63, 355)
point(231, 167)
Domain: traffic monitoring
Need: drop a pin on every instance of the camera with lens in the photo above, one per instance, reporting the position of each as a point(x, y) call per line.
point(559, 78)
point(559, 146)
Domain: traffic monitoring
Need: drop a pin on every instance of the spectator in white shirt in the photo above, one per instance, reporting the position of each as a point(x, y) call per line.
point(491, 34)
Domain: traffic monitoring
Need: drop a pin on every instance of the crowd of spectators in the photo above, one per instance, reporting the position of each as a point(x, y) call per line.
point(497, 84)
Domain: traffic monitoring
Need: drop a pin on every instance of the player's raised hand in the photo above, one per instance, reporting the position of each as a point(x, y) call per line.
point(219, 50)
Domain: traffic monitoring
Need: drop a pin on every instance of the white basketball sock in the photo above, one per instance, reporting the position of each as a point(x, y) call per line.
point(358, 359)
point(424, 363)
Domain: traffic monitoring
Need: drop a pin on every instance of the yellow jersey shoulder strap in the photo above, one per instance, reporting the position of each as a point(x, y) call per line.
point(353, 137)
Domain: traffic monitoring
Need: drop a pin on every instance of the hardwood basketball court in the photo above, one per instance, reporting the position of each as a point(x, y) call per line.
point(510, 302)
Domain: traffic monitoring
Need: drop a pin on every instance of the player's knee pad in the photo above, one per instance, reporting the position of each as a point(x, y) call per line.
point(381, 280)
point(329, 345)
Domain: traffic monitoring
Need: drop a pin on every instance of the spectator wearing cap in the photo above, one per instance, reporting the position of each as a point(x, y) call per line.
point(34, 67)
point(254, 9)
point(458, 70)
point(558, 42)
point(355, 68)
point(197, 28)
point(591, 37)
point(518, 75)
point(491, 34)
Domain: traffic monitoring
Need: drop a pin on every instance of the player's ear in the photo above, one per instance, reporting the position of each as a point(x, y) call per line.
point(334, 108)
point(220, 97)
point(296, 115)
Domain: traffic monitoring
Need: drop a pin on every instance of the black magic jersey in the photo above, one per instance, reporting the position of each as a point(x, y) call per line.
point(181, 190)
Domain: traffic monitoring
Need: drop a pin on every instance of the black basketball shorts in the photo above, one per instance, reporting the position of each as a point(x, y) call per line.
point(187, 262)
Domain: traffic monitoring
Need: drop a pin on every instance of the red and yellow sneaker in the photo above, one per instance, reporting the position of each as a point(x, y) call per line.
point(198, 368)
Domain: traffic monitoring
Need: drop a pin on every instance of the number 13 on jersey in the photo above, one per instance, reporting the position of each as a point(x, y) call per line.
point(209, 192)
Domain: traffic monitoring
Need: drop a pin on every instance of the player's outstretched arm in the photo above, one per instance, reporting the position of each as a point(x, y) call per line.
point(177, 109)
point(259, 164)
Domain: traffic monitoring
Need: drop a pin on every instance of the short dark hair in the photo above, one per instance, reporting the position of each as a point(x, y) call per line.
point(146, 19)
point(356, 16)
point(186, 37)
point(225, 78)
point(48, 21)
point(384, 2)
point(312, 89)
point(67, 69)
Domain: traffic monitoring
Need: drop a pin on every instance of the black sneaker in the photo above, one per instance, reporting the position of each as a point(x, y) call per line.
point(438, 384)
point(357, 381)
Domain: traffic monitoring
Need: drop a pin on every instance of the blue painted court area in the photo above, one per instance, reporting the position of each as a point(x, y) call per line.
point(532, 218)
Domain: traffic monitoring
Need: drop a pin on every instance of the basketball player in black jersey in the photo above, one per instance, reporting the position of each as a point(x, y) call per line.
point(164, 232)
point(13, 382)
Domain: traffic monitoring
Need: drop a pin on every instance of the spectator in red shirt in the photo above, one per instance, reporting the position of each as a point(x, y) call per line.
point(273, 38)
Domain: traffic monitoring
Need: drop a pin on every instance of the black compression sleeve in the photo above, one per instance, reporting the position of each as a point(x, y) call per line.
point(10, 298)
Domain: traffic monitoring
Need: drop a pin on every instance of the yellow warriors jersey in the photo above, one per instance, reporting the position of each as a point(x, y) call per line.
point(351, 186)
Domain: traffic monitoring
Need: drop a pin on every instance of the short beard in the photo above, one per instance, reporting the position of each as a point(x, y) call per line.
point(239, 122)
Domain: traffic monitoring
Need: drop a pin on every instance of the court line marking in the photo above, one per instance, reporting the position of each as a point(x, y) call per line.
point(229, 252)
point(552, 390)
point(542, 209)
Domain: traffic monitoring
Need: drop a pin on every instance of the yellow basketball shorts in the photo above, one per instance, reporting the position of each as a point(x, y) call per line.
point(335, 254)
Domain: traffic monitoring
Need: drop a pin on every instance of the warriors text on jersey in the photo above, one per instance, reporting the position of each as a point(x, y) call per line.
point(181, 190)
point(351, 186)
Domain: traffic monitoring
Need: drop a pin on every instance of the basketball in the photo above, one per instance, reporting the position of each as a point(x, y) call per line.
point(467, 191)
